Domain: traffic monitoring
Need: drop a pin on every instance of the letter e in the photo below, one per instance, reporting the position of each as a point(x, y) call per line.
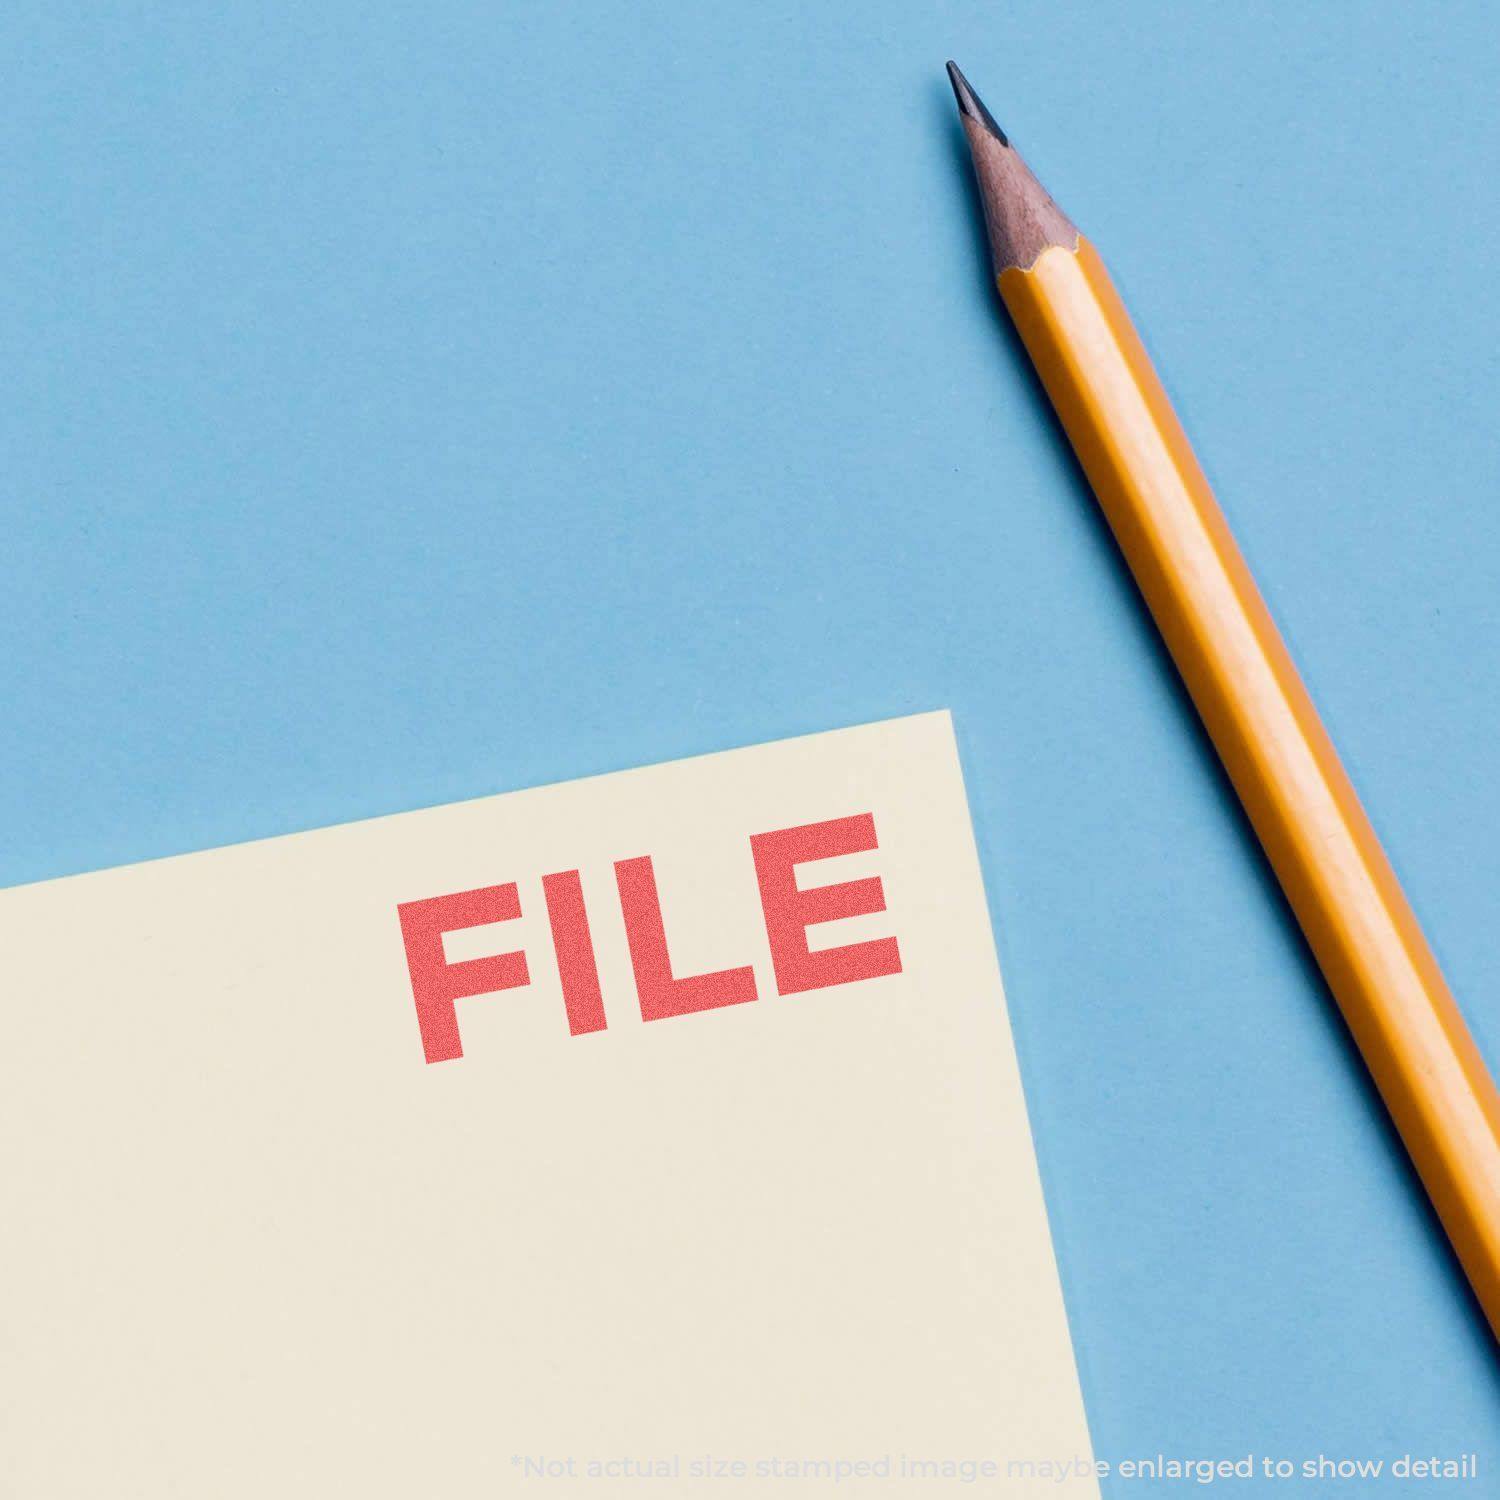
point(789, 912)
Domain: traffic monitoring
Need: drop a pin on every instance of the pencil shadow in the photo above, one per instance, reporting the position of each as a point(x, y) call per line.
point(1023, 377)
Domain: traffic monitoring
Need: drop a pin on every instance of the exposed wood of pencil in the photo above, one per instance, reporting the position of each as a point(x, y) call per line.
point(1257, 711)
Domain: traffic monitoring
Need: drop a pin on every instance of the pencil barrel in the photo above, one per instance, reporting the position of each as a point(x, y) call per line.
point(1284, 768)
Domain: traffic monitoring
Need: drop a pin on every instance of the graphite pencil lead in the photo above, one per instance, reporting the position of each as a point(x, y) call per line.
point(970, 104)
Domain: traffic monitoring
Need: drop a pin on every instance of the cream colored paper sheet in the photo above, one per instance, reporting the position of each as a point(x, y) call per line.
point(256, 1245)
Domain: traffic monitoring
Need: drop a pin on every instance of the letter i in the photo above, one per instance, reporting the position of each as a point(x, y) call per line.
point(574, 944)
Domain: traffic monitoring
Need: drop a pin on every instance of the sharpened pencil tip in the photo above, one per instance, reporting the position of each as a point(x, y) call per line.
point(970, 104)
point(1019, 216)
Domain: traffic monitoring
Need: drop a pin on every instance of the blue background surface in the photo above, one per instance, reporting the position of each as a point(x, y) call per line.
point(410, 402)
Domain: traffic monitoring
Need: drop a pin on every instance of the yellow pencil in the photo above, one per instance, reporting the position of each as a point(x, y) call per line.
point(1262, 722)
